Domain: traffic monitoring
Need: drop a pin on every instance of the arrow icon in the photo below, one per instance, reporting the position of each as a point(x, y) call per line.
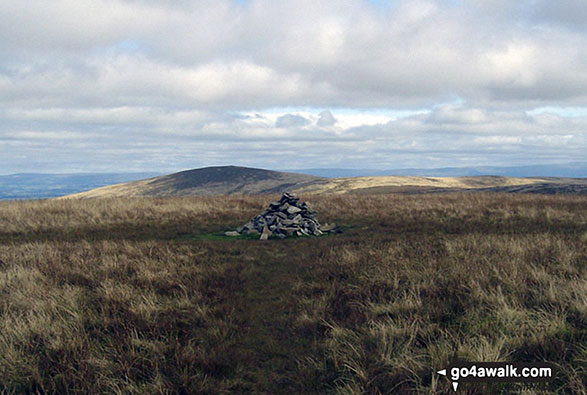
point(454, 384)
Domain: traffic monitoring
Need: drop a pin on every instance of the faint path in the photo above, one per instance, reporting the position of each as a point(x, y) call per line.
point(269, 312)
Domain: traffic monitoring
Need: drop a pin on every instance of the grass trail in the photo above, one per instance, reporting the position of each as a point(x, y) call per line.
point(268, 311)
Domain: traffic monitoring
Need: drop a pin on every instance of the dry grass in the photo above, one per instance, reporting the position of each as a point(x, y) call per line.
point(138, 296)
point(344, 185)
point(165, 186)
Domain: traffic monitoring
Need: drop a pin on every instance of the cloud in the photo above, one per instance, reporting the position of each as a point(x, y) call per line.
point(149, 81)
point(268, 53)
point(291, 120)
point(45, 27)
point(325, 118)
point(453, 114)
point(450, 135)
point(571, 14)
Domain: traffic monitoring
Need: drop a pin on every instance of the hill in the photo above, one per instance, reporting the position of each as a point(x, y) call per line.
point(233, 180)
point(221, 180)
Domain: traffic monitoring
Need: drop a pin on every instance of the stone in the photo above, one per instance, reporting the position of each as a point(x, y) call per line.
point(285, 217)
point(232, 233)
point(328, 227)
point(293, 210)
point(266, 233)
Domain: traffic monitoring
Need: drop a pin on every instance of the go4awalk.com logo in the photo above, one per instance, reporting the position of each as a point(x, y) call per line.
point(494, 372)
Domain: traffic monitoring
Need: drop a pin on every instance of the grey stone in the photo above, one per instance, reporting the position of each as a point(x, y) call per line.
point(266, 233)
point(285, 217)
point(328, 227)
point(293, 210)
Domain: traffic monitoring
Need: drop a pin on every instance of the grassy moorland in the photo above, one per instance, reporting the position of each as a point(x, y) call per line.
point(140, 296)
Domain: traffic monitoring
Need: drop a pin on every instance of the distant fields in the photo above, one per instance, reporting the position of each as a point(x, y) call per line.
point(140, 295)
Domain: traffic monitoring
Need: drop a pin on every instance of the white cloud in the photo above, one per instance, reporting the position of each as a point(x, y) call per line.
point(454, 114)
point(325, 118)
point(448, 136)
point(72, 25)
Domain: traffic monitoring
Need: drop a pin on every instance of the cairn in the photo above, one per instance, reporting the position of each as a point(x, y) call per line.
point(286, 217)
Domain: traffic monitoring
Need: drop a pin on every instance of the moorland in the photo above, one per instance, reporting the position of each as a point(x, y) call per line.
point(145, 295)
point(236, 180)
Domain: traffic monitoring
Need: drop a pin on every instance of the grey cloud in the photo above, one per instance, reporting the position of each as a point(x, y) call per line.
point(219, 55)
point(569, 13)
point(290, 121)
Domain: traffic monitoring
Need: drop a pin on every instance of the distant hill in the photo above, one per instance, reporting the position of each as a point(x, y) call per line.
point(223, 180)
point(44, 186)
point(233, 180)
point(230, 180)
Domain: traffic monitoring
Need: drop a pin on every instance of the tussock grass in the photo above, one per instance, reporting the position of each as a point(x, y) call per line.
point(128, 296)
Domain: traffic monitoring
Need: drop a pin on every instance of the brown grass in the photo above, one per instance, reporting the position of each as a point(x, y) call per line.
point(140, 296)
point(173, 185)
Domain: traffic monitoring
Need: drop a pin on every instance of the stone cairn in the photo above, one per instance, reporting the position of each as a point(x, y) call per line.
point(286, 217)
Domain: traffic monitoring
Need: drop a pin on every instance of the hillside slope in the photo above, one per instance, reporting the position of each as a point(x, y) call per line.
point(223, 180)
point(413, 185)
point(231, 180)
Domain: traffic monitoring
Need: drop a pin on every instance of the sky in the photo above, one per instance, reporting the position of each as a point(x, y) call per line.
point(167, 85)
